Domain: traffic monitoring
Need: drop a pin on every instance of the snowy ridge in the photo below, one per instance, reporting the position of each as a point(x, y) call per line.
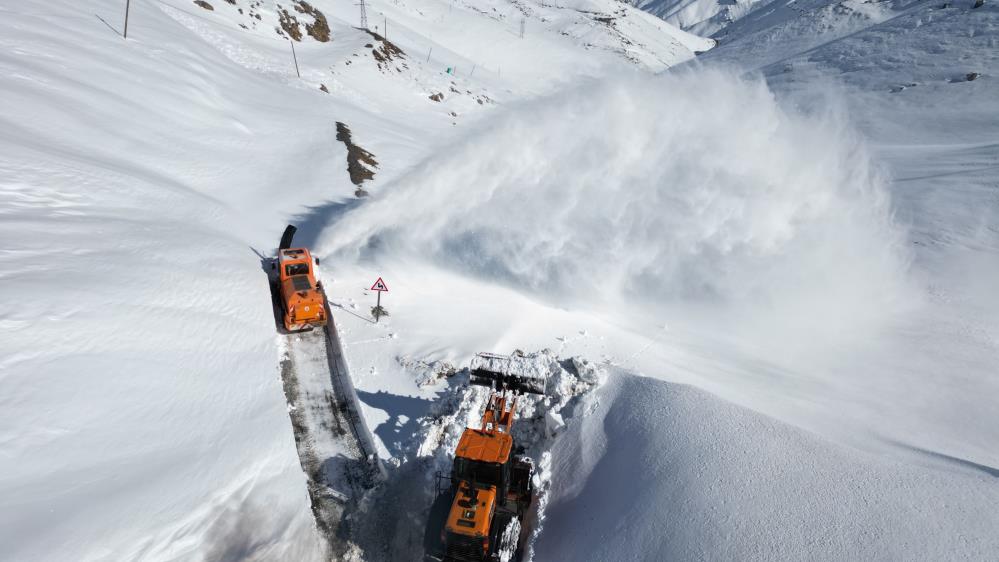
point(462, 33)
point(703, 17)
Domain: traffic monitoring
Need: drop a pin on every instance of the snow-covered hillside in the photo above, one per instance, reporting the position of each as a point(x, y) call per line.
point(799, 223)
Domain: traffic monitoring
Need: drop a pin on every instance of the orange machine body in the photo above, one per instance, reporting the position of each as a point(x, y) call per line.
point(472, 510)
point(302, 299)
point(481, 470)
point(482, 515)
point(491, 443)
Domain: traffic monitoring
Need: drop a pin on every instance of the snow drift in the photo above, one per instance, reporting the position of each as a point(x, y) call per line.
point(694, 190)
point(712, 481)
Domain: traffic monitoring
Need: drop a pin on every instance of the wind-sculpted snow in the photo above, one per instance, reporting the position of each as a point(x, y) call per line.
point(694, 190)
point(712, 481)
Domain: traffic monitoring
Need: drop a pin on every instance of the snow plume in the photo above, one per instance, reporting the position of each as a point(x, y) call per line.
point(694, 190)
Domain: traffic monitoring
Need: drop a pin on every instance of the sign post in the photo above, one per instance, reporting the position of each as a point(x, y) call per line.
point(379, 287)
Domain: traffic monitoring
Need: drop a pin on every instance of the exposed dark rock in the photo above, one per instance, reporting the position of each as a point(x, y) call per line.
point(358, 159)
point(385, 52)
point(205, 5)
point(289, 24)
point(319, 29)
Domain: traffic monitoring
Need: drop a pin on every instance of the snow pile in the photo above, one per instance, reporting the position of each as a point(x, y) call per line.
point(667, 472)
point(693, 191)
point(461, 406)
point(510, 536)
point(428, 373)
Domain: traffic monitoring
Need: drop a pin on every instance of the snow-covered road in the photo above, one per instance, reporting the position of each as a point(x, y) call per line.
point(335, 446)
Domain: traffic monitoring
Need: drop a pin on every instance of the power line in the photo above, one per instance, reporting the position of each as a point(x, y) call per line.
point(364, 16)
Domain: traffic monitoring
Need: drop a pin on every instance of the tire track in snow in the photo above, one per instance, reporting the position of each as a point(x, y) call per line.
point(335, 448)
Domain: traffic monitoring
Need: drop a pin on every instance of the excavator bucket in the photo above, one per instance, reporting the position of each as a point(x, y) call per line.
point(513, 373)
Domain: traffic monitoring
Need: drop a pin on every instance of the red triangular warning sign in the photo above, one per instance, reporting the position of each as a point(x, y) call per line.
point(379, 286)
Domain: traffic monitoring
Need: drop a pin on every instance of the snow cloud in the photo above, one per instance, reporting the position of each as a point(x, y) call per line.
point(695, 191)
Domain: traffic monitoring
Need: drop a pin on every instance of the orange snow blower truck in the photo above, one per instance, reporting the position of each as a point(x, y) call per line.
point(480, 507)
point(303, 301)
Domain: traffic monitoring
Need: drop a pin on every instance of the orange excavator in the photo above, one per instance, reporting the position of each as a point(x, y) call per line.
point(479, 515)
point(303, 301)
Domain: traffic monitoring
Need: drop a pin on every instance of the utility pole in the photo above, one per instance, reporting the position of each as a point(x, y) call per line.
point(386, 28)
point(127, 4)
point(364, 16)
point(523, 24)
point(294, 57)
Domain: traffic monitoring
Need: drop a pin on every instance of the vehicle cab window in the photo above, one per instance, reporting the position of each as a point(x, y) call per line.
point(296, 269)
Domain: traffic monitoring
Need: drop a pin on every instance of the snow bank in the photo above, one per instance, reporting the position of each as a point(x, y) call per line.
point(693, 191)
point(666, 472)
